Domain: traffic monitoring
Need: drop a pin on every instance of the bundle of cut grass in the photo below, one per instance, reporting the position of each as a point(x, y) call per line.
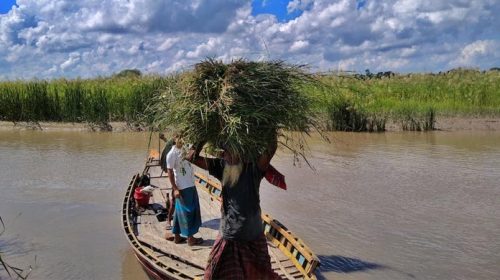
point(243, 106)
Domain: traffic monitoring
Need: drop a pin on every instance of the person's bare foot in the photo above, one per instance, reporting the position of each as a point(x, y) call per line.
point(169, 236)
point(176, 238)
point(192, 241)
point(180, 239)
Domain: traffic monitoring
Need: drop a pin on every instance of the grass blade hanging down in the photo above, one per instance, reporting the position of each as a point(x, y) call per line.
point(9, 268)
point(243, 105)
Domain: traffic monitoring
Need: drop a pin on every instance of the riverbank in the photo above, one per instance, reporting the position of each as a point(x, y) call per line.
point(458, 124)
point(442, 123)
point(345, 101)
point(68, 126)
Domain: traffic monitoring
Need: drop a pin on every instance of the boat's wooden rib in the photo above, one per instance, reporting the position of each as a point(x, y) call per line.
point(162, 259)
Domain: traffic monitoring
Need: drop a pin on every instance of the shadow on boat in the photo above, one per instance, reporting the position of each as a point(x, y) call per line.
point(212, 224)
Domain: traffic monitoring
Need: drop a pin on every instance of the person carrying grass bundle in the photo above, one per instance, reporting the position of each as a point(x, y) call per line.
point(243, 107)
point(240, 251)
point(187, 216)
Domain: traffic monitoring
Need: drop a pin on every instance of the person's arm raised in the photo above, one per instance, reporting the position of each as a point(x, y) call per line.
point(265, 159)
point(195, 158)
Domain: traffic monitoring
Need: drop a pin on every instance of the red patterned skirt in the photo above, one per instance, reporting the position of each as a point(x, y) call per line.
point(240, 260)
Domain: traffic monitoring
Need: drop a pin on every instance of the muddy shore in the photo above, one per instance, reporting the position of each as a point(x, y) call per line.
point(67, 126)
point(443, 124)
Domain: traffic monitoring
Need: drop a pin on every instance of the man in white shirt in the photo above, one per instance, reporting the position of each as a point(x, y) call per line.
point(187, 216)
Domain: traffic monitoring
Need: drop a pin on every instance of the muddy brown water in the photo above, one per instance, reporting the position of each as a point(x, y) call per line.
point(377, 206)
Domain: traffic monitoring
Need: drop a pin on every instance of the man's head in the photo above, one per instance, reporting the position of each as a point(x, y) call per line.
point(178, 138)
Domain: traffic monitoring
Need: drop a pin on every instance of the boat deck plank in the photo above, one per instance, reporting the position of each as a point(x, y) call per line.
point(178, 265)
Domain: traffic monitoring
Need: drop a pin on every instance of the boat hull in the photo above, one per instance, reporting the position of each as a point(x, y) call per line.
point(151, 271)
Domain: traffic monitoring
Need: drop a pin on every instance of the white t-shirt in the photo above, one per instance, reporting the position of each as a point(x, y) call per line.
point(183, 171)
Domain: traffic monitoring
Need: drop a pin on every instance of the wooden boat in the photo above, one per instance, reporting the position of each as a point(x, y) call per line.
point(162, 259)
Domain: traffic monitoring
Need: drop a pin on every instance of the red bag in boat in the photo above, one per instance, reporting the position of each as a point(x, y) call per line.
point(141, 198)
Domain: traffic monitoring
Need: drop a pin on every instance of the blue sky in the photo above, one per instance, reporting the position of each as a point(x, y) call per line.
point(67, 38)
point(6, 5)
point(275, 7)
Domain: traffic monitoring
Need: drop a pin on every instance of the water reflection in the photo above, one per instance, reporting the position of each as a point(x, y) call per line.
point(131, 270)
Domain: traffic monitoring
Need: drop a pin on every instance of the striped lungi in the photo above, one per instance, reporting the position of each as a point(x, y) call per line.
point(231, 259)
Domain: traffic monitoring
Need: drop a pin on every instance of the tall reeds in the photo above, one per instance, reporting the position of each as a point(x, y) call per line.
point(96, 100)
point(345, 102)
point(414, 101)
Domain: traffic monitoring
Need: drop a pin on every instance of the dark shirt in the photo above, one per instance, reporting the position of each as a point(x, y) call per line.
point(241, 216)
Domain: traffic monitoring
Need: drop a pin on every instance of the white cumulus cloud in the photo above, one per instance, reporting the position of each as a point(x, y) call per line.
point(66, 38)
point(299, 45)
point(71, 61)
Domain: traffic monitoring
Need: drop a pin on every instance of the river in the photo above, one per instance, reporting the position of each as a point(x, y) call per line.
point(396, 205)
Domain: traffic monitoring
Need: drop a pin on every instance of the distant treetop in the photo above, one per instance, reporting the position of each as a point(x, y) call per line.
point(128, 73)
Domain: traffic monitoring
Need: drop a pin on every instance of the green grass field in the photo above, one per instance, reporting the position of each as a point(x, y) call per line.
point(343, 102)
point(96, 100)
